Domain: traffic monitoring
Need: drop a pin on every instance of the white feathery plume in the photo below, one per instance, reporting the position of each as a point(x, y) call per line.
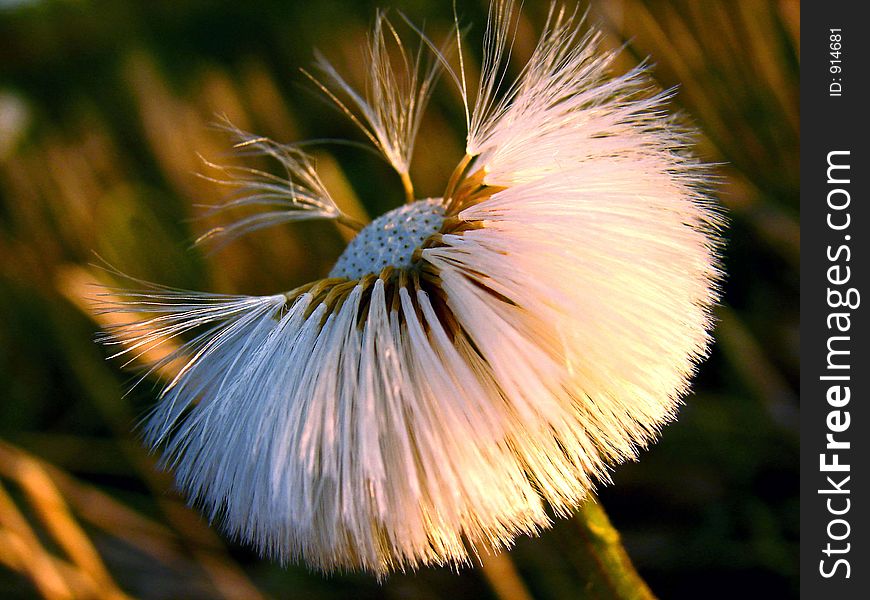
point(563, 107)
point(390, 111)
point(471, 361)
point(298, 195)
point(493, 71)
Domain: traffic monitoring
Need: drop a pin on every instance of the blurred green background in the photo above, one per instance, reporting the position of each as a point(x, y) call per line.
point(104, 106)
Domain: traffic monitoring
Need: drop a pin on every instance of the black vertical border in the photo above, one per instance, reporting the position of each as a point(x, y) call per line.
point(827, 124)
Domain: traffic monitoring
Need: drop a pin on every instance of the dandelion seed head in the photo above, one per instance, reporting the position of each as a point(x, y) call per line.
point(472, 363)
point(390, 240)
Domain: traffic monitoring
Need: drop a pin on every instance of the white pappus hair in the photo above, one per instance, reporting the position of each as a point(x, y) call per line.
point(473, 361)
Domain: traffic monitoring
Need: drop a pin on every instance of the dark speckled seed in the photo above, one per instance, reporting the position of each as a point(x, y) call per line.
point(390, 240)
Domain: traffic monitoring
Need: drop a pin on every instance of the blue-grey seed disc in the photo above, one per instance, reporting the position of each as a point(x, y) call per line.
point(390, 240)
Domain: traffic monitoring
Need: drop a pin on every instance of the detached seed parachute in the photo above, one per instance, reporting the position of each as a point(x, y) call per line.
point(471, 359)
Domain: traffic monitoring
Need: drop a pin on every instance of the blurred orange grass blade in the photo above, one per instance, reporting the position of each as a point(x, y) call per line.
point(104, 512)
point(48, 503)
point(22, 551)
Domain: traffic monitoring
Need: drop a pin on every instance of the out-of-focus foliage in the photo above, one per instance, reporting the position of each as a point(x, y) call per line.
point(104, 107)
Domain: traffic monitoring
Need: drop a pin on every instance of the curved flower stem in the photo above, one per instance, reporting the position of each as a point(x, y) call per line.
point(603, 547)
point(503, 578)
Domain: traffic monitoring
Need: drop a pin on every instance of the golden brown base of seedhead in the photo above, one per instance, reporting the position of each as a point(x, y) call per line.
point(463, 190)
point(333, 292)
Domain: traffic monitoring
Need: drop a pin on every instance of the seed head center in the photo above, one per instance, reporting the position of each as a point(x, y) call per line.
point(390, 240)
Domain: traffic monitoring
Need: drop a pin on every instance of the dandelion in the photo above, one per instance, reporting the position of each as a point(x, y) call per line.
point(474, 362)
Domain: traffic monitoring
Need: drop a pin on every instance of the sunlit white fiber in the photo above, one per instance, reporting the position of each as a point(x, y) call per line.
point(564, 107)
point(298, 195)
point(390, 111)
point(422, 404)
